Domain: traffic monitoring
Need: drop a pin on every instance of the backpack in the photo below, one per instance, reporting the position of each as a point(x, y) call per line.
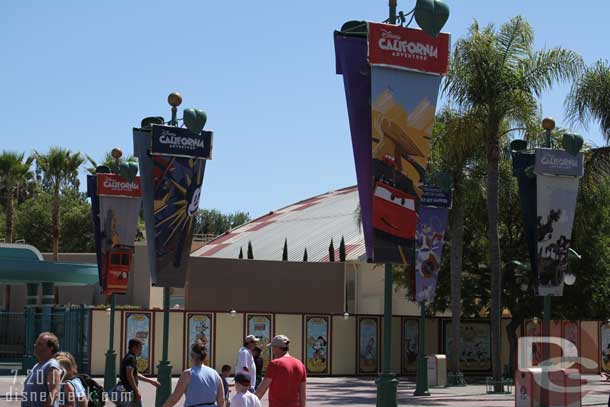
point(95, 392)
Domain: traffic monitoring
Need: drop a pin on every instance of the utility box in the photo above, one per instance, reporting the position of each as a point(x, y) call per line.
point(437, 370)
point(558, 388)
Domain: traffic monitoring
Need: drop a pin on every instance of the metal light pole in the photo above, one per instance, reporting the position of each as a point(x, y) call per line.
point(164, 368)
point(110, 370)
point(387, 382)
point(548, 124)
point(421, 379)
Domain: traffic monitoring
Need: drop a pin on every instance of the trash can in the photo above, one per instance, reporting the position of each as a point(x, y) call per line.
point(437, 370)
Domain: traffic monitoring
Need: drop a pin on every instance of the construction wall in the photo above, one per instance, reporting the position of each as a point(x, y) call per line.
point(353, 343)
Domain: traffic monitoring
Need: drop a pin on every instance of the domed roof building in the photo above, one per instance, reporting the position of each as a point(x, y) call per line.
point(309, 224)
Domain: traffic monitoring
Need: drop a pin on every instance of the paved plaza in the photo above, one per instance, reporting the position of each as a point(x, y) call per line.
point(356, 392)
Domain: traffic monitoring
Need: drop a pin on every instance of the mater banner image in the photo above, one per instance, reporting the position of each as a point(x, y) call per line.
point(391, 102)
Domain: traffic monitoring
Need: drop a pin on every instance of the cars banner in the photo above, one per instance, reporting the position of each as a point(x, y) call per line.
point(115, 204)
point(391, 82)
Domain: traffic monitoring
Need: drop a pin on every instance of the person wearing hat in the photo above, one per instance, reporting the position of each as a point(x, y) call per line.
point(244, 398)
point(245, 360)
point(285, 378)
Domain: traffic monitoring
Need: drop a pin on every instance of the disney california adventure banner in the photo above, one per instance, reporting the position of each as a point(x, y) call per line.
point(172, 163)
point(391, 83)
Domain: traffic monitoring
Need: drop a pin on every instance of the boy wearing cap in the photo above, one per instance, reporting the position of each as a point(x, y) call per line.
point(285, 377)
point(244, 398)
point(245, 360)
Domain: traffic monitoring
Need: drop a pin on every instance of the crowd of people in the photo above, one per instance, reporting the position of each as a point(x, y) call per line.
point(54, 381)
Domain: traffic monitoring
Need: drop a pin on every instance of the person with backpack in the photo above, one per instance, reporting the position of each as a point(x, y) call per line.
point(73, 393)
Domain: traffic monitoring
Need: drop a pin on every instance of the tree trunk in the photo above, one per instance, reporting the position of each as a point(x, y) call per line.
point(493, 154)
point(10, 214)
point(511, 332)
point(56, 222)
point(457, 247)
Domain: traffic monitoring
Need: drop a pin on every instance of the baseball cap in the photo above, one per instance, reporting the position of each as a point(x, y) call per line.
point(242, 379)
point(251, 338)
point(281, 341)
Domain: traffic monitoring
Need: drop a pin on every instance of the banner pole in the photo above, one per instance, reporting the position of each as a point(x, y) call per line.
point(392, 6)
point(421, 380)
point(110, 370)
point(164, 368)
point(387, 382)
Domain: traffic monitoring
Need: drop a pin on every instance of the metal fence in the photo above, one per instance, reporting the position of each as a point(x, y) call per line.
point(12, 336)
point(18, 331)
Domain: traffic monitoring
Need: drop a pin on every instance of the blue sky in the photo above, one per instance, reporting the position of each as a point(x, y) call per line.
point(80, 74)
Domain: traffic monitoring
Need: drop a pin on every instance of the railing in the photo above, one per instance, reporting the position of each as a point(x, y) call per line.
point(204, 238)
point(12, 336)
point(18, 330)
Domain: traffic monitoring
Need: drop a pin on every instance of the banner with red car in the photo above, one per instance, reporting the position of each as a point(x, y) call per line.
point(115, 203)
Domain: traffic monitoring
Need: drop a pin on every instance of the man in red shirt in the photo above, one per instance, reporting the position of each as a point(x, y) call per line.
point(285, 377)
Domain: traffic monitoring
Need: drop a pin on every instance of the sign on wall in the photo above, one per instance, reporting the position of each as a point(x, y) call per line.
point(410, 345)
point(475, 352)
point(138, 326)
point(261, 326)
point(368, 345)
point(317, 344)
point(199, 327)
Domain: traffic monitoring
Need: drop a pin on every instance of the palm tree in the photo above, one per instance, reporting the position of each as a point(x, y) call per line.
point(457, 141)
point(15, 175)
point(499, 74)
point(589, 97)
point(59, 168)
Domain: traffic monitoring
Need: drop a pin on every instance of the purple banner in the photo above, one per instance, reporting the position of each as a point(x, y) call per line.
point(430, 240)
point(351, 60)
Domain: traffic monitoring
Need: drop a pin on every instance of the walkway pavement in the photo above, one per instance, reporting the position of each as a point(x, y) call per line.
point(360, 392)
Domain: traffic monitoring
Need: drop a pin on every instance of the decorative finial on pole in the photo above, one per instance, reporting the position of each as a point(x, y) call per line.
point(548, 124)
point(175, 100)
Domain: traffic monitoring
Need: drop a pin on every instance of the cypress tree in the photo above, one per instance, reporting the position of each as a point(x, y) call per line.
point(241, 253)
point(285, 251)
point(305, 255)
point(250, 252)
point(331, 250)
point(342, 254)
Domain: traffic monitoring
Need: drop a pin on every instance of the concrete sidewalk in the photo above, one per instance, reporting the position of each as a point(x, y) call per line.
point(360, 392)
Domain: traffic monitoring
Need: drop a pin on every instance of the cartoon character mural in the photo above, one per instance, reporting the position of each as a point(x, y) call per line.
point(199, 329)
point(475, 354)
point(368, 350)
point(317, 344)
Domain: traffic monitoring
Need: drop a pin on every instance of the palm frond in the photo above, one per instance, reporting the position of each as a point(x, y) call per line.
point(589, 97)
point(543, 68)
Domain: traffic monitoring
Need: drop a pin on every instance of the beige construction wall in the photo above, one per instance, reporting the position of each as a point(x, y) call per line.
point(100, 335)
point(228, 334)
point(176, 340)
point(344, 348)
point(229, 338)
point(291, 325)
